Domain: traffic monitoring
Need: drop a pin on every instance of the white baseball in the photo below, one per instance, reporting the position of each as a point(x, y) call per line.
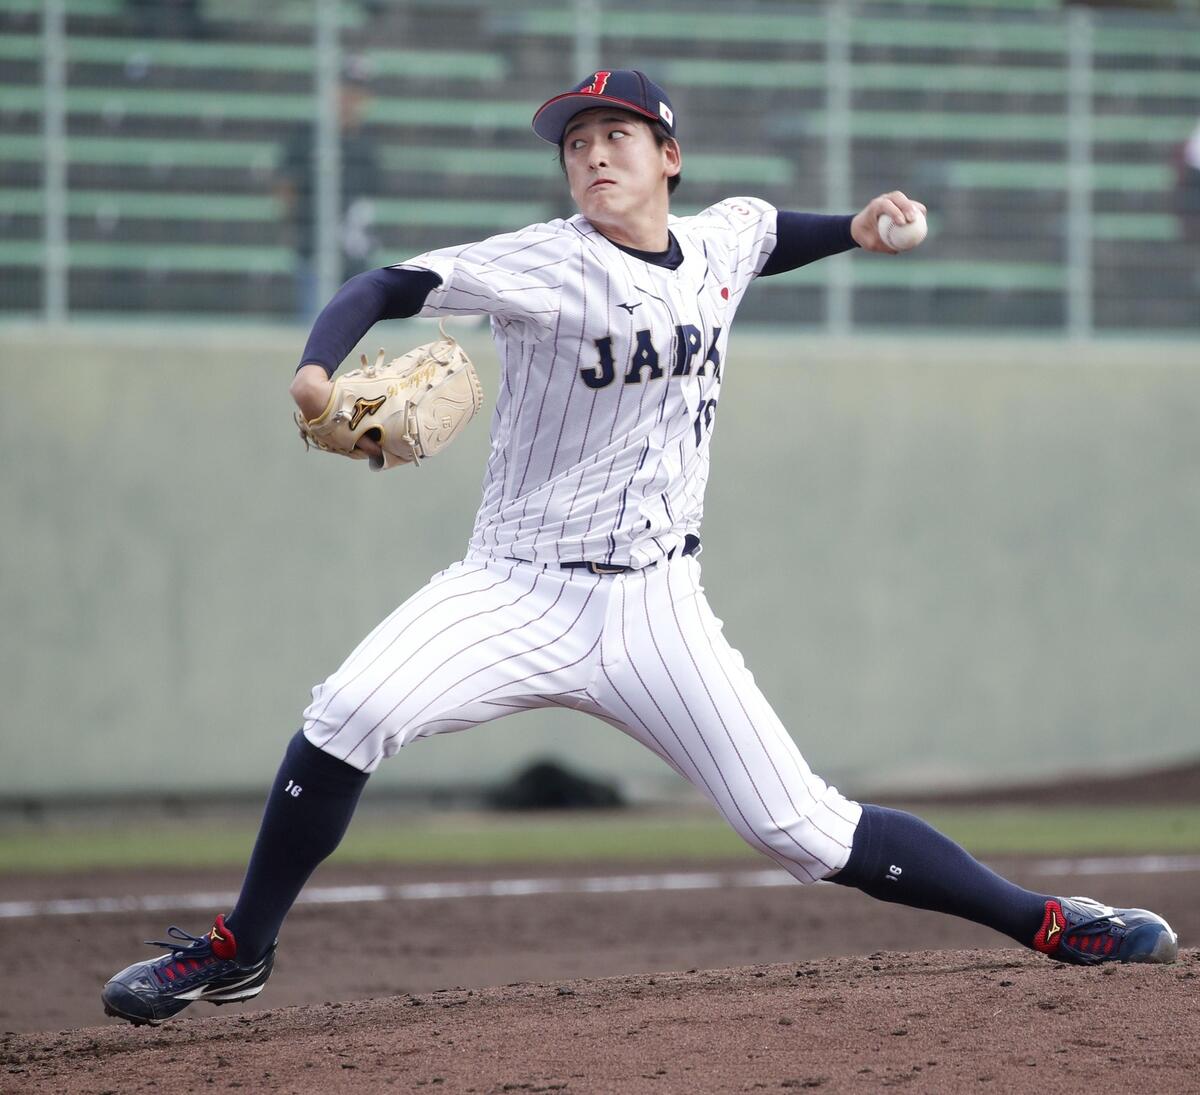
point(903, 237)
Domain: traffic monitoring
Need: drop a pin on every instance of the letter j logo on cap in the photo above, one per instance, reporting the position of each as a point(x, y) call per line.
point(596, 87)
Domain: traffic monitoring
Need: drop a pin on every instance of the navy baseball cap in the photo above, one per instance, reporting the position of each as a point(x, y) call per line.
point(625, 88)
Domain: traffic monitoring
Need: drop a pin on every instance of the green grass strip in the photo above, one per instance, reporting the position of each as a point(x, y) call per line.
point(594, 838)
point(1070, 830)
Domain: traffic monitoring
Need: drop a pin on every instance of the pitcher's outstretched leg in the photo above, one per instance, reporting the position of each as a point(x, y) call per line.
point(308, 810)
point(898, 857)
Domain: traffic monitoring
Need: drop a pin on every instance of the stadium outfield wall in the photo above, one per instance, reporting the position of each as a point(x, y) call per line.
point(947, 561)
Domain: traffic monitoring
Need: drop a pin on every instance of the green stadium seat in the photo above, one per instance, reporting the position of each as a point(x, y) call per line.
point(149, 152)
point(958, 126)
point(1030, 36)
point(301, 13)
point(468, 65)
point(984, 6)
point(72, 7)
point(747, 26)
point(995, 79)
point(282, 12)
point(465, 114)
point(496, 216)
point(939, 92)
point(940, 275)
point(1142, 41)
point(797, 26)
point(535, 164)
point(1137, 227)
point(212, 207)
point(769, 75)
point(926, 77)
point(209, 207)
point(199, 257)
point(114, 103)
point(139, 205)
point(965, 36)
point(1127, 83)
point(1014, 175)
point(20, 47)
point(216, 106)
point(1019, 36)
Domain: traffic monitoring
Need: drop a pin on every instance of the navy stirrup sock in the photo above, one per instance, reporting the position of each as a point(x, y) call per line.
point(308, 811)
point(898, 857)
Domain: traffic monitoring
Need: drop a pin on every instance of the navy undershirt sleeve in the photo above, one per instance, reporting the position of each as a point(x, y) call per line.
point(801, 238)
point(358, 305)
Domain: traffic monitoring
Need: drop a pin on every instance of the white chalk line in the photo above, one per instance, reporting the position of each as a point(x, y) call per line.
point(1130, 864)
point(524, 887)
point(413, 891)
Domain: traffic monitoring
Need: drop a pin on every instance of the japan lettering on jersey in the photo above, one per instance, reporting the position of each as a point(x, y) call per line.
point(610, 375)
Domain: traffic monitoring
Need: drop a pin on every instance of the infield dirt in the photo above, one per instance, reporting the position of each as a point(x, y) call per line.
point(785, 988)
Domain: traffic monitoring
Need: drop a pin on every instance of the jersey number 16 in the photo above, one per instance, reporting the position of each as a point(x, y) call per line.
point(704, 417)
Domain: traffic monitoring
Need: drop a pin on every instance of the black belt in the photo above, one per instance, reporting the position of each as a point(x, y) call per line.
point(691, 544)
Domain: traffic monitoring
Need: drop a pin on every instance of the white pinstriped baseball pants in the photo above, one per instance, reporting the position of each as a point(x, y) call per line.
point(641, 650)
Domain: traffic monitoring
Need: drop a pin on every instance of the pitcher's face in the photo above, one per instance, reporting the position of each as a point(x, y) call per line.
point(614, 165)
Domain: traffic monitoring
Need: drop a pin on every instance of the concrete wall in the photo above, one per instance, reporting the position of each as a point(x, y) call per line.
point(945, 561)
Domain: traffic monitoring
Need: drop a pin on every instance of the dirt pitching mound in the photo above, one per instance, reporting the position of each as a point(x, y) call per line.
point(932, 1020)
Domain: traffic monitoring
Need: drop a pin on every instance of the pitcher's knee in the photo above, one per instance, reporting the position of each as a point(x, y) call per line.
point(364, 728)
point(347, 729)
point(811, 846)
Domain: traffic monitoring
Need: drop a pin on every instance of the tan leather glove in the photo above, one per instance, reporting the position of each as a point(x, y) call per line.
point(413, 406)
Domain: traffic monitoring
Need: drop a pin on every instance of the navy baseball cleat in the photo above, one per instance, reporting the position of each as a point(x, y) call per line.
point(1084, 932)
point(201, 967)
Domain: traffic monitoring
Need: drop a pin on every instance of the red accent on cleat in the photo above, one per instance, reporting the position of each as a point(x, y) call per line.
point(221, 939)
point(1049, 935)
point(1084, 932)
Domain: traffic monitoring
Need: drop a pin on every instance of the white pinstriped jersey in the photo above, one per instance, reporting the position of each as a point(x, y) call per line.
point(610, 372)
point(611, 368)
